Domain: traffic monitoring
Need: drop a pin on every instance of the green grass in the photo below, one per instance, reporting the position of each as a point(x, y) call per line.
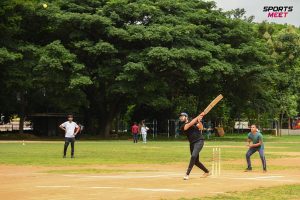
point(125, 152)
point(286, 192)
point(270, 138)
point(93, 153)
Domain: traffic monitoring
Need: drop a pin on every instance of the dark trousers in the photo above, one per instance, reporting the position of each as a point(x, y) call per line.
point(195, 149)
point(67, 142)
point(135, 137)
point(261, 154)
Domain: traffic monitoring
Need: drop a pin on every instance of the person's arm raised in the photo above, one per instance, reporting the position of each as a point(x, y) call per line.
point(193, 121)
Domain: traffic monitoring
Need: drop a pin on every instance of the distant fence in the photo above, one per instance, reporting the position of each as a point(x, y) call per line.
point(290, 132)
point(170, 127)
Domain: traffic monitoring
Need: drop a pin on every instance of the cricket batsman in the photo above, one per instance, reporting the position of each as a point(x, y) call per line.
point(196, 140)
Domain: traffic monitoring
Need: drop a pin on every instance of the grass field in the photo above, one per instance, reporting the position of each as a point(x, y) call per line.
point(274, 193)
point(124, 157)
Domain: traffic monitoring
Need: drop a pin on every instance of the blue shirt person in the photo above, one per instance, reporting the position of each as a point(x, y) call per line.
point(256, 138)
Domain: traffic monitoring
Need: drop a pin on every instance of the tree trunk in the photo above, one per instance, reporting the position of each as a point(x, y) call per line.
point(277, 128)
point(102, 111)
point(100, 124)
point(89, 122)
point(107, 129)
point(117, 125)
point(281, 122)
point(21, 124)
point(112, 113)
point(22, 114)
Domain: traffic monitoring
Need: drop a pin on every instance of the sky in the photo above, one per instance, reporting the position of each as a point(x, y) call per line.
point(255, 7)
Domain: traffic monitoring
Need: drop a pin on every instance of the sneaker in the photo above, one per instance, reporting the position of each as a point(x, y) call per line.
point(186, 177)
point(72, 157)
point(248, 170)
point(64, 156)
point(206, 175)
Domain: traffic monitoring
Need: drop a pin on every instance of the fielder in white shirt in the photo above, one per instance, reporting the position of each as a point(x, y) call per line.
point(144, 130)
point(71, 129)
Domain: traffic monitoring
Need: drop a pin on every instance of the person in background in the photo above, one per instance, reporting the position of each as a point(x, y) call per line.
point(2, 119)
point(71, 129)
point(135, 132)
point(144, 130)
point(140, 134)
point(78, 135)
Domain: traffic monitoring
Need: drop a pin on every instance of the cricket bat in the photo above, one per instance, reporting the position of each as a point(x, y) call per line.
point(213, 103)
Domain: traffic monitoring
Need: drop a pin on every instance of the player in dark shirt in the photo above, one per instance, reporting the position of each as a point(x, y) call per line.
point(196, 139)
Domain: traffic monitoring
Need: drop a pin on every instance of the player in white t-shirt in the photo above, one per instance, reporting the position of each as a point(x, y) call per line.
point(71, 129)
point(144, 130)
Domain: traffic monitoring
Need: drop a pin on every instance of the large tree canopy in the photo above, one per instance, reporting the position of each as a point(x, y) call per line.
point(99, 57)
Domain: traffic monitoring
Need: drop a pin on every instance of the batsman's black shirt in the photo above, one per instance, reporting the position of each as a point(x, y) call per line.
point(193, 133)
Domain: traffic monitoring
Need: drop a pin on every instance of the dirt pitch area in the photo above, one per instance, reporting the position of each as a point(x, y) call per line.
point(159, 182)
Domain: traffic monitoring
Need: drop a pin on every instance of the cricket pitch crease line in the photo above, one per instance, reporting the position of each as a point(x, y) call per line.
point(151, 172)
point(256, 179)
point(217, 192)
point(95, 187)
point(264, 178)
point(98, 187)
point(156, 190)
point(269, 177)
point(53, 186)
point(125, 176)
point(261, 177)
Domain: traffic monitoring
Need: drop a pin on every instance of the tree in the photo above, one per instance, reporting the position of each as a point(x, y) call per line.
point(134, 52)
point(287, 52)
point(283, 42)
point(143, 53)
point(30, 68)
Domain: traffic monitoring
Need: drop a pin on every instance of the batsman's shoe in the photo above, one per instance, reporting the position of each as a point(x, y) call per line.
point(206, 175)
point(186, 177)
point(248, 170)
